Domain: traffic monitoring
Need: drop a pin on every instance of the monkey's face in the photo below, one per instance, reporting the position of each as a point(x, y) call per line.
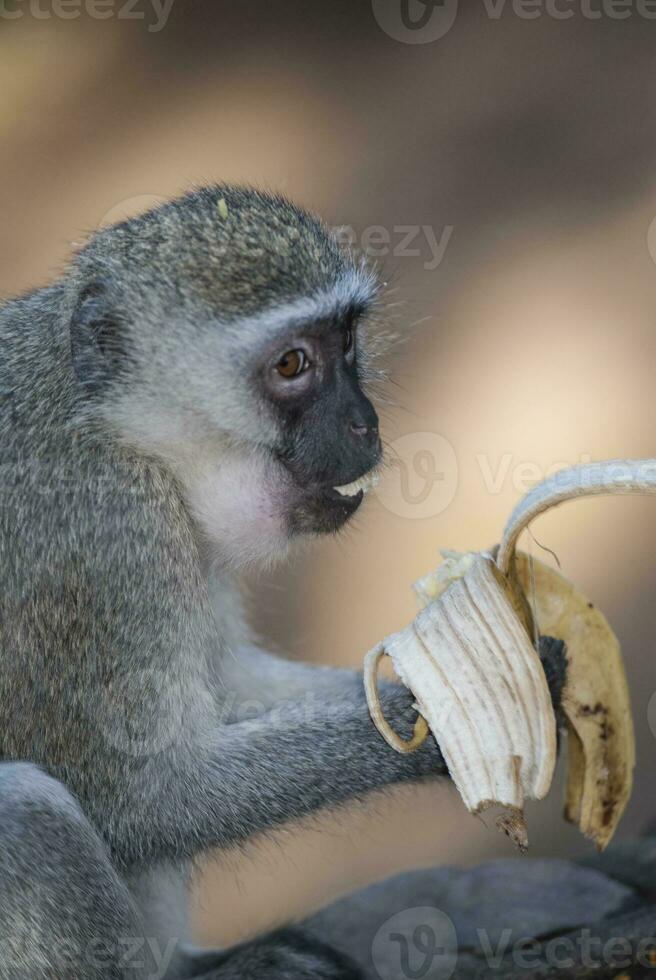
point(263, 421)
point(237, 360)
point(296, 445)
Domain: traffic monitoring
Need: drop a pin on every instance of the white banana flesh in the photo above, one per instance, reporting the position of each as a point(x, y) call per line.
point(479, 683)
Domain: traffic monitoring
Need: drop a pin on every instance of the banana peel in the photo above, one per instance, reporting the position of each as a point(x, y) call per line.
point(595, 701)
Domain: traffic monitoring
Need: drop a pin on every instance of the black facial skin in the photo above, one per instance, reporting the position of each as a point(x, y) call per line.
point(330, 428)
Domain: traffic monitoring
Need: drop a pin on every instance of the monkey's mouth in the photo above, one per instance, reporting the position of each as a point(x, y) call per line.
point(324, 510)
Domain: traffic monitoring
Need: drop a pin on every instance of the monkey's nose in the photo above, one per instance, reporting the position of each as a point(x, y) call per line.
point(365, 433)
point(362, 424)
point(358, 429)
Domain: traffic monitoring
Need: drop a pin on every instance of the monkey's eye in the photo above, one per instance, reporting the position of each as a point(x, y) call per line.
point(348, 340)
point(293, 363)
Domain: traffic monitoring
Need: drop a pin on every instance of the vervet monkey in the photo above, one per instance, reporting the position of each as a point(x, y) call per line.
point(189, 398)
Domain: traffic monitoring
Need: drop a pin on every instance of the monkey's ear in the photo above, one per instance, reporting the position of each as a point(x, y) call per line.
point(96, 341)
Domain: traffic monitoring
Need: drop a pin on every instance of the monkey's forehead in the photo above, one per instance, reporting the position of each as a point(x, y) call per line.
point(235, 249)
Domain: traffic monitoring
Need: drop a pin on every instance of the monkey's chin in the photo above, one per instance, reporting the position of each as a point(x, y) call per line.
point(325, 511)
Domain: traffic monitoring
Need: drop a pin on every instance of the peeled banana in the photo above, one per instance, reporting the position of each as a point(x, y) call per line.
point(470, 659)
point(479, 683)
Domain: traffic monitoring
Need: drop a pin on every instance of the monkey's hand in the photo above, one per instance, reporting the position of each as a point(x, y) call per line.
point(399, 708)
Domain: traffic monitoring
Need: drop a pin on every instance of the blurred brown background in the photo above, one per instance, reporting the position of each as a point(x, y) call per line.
point(525, 146)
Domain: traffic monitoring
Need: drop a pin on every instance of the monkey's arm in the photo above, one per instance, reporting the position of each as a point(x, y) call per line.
point(253, 681)
point(254, 775)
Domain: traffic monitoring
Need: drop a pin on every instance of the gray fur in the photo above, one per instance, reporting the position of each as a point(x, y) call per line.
point(125, 659)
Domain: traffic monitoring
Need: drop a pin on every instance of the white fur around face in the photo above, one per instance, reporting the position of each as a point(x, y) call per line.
point(242, 505)
point(193, 404)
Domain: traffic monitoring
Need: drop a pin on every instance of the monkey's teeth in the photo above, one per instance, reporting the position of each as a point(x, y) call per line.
point(364, 483)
